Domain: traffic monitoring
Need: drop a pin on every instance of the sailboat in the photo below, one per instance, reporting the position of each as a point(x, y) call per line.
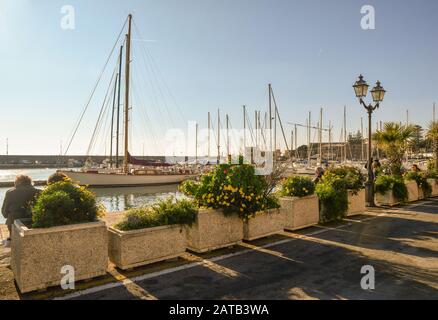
point(134, 172)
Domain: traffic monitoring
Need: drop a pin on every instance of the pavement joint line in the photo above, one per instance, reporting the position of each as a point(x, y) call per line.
point(192, 265)
point(418, 204)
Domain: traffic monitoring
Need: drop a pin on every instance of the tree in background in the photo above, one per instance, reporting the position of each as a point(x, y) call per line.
point(394, 140)
point(418, 143)
point(432, 134)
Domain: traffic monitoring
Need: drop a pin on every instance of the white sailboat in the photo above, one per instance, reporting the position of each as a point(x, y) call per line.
point(134, 172)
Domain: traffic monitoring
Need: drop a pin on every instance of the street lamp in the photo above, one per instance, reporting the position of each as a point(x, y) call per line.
point(378, 93)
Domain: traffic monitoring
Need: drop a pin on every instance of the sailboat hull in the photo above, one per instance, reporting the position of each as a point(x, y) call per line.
point(123, 180)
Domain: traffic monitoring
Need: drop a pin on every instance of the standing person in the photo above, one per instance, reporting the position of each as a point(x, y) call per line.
point(415, 168)
point(17, 202)
point(376, 167)
point(319, 172)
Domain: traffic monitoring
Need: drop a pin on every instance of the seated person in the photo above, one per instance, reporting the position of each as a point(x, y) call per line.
point(57, 177)
point(17, 202)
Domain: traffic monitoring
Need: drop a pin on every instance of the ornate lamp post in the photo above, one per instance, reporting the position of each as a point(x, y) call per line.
point(378, 93)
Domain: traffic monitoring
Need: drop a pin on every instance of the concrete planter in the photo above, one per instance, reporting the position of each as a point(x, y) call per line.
point(386, 199)
point(412, 191)
point(300, 212)
point(421, 195)
point(213, 230)
point(434, 185)
point(129, 249)
point(38, 255)
point(356, 203)
point(264, 224)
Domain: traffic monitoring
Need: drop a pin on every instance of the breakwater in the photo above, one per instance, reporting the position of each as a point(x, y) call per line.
point(10, 184)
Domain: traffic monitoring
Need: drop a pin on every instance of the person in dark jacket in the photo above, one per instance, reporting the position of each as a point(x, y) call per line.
point(319, 172)
point(17, 202)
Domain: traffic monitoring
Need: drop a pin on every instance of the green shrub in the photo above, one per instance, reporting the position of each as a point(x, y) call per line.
point(421, 179)
point(162, 213)
point(395, 183)
point(430, 165)
point(297, 186)
point(353, 177)
point(233, 188)
point(333, 197)
point(64, 203)
point(432, 174)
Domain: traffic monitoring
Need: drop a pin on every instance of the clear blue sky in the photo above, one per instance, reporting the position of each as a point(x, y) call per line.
point(213, 54)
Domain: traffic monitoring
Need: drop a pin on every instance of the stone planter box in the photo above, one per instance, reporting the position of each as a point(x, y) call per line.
point(134, 248)
point(213, 230)
point(38, 255)
point(356, 203)
point(434, 185)
point(386, 199)
point(412, 191)
point(264, 224)
point(300, 212)
point(421, 195)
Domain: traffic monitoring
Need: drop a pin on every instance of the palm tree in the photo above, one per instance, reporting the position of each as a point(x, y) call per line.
point(432, 134)
point(394, 140)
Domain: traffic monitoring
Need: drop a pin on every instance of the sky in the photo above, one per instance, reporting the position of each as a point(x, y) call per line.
point(195, 56)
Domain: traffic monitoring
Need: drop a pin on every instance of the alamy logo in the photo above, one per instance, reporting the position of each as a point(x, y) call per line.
point(68, 280)
point(368, 21)
point(368, 280)
point(68, 20)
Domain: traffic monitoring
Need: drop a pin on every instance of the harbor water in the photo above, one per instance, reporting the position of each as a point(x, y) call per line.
point(114, 199)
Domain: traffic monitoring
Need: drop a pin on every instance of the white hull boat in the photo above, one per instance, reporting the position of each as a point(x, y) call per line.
point(94, 179)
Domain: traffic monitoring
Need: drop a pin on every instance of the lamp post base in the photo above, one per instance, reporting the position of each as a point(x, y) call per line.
point(369, 194)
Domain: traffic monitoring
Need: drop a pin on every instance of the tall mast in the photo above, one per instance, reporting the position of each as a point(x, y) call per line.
point(330, 141)
point(296, 142)
point(209, 129)
point(118, 106)
point(291, 142)
point(218, 137)
point(309, 138)
point(112, 122)
point(270, 118)
point(228, 139)
point(244, 129)
point(196, 144)
point(127, 74)
point(433, 116)
point(256, 128)
point(320, 136)
point(345, 133)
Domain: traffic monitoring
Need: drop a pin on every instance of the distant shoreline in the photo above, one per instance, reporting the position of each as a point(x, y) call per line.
point(30, 166)
point(10, 184)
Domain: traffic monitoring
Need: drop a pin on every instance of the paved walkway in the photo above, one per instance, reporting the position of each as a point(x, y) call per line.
point(319, 263)
point(322, 262)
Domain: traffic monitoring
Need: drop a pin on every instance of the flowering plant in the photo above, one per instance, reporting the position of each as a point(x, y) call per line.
point(233, 188)
point(333, 197)
point(297, 186)
point(353, 177)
